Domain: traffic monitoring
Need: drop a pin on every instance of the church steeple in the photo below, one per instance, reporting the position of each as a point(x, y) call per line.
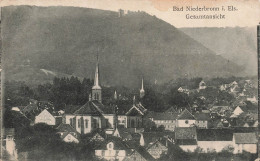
point(96, 89)
point(142, 92)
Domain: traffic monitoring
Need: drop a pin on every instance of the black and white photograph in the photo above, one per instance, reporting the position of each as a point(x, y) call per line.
point(119, 82)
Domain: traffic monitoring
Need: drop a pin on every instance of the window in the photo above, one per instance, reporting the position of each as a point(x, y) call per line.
point(78, 123)
point(71, 122)
point(86, 123)
point(186, 121)
point(69, 137)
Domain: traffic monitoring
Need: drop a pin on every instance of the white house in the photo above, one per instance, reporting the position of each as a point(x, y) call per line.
point(245, 142)
point(186, 138)
point(214, 139)
point(45, 117)
point(186, 119)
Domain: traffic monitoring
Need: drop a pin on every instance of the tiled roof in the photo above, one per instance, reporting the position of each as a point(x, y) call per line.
point(185, 115)
point(214, 134)
point(94, 108)
point(89, 108)
point(142, 151)
point(245, 138)
point(185, 133)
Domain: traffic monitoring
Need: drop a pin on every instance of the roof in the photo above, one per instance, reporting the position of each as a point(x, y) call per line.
point(70, 109)
point(94, 108)
point(185, 133)
point(186, 142)
point(139, 109)
point(67, 133)
point(245, 138)
point(118, 144)
point(142, 151)
point(202, 116)
point(154, 144)
point(185, 115)
point(65, 128)
point(214, 134)
point(164, 116)
point(171, 109)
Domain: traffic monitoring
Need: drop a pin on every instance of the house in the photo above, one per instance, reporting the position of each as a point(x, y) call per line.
point(157, 149)
point(112, 149)
point(186, 138)
point(45, 117)
point(214, 139)
point(135, 116)
point(68, 133)
point(202, 120)
point(245, 142)
point(139, 154)
point(165, 119)
point(185, 119)
point(202, 85)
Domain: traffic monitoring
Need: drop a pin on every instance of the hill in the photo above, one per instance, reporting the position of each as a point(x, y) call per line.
point(236, 44)
point(67, 40)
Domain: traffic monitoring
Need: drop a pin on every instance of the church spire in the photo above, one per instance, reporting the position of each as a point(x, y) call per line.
point(96, 89)
point(142, 92)
point(96, 79)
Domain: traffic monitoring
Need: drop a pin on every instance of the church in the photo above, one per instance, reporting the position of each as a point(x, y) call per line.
point(94, 115)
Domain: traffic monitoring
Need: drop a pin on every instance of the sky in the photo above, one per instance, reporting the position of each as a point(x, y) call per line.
point(246, 15)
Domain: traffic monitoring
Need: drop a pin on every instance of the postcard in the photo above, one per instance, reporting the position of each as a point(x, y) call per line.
point(126, 80)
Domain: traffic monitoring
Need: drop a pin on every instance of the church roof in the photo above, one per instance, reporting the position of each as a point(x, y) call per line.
point(185, 115)
point(94, 107)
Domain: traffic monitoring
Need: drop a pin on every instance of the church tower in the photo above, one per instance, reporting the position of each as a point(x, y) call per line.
point(142, 92)
point(96, 89)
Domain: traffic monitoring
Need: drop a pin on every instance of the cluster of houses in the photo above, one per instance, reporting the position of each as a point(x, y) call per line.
point(121, 136)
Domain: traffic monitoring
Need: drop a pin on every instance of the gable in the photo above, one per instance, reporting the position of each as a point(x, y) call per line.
point(185, 115)
point(45, 113)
